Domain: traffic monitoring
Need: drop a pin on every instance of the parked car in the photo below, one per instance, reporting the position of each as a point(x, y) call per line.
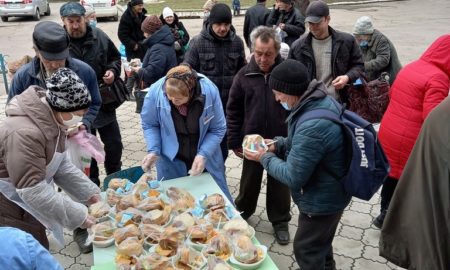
point(24, 8)
point(103, 8)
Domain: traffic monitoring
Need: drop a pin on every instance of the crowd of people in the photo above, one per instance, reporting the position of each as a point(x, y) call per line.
point(203, 97)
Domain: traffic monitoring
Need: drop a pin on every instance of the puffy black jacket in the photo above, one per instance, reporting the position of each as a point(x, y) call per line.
point(346, 55)
point(160, 56)
point(254, 17)
point(294, 23)
point(217, 58)
point(130, 33)
point(252, 108)
point(100, 53)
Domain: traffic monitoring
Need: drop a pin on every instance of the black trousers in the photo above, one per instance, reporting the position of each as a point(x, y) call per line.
point(313, 241)
point(224, 148)
point(111, 138)
point(278, 199)
point(387, 191)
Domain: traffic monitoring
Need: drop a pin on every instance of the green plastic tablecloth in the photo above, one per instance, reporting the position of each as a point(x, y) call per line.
point(197, 186)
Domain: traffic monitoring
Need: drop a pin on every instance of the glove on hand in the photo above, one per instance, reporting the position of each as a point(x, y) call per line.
point(148, 162)
point(198, 166)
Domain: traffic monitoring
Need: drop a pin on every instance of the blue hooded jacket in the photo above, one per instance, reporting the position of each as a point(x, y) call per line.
point(161, 137)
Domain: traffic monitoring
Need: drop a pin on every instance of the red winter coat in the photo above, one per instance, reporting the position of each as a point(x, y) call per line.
point(419, 87)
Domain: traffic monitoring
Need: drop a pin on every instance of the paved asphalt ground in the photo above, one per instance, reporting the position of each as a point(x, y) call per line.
point(411, 25)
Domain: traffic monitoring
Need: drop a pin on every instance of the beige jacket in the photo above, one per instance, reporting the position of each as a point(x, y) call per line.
point(28, 138)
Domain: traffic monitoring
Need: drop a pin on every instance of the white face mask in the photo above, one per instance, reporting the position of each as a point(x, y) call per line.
point(72, 122)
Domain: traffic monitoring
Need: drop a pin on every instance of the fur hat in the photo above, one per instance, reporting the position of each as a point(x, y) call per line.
point(290, 77)
point(363, 26)
point(151, 24)
point(66, 92)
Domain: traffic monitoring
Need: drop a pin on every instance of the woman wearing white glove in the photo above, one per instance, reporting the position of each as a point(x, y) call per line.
point(33, 157)
point(184, 123)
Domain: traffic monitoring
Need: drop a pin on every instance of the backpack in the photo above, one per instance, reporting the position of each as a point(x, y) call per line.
point(368, 166)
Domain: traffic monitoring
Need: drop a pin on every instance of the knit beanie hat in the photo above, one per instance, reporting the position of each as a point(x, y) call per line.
point(66, 92)
point(151, 24)
point(220, 13)
point(290, 77)
point(167, 12)
point(136, 2)
point(363, 26)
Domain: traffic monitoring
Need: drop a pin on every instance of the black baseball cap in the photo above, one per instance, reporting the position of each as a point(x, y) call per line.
point(316, 11)
point(51, 40)
point(72, 9)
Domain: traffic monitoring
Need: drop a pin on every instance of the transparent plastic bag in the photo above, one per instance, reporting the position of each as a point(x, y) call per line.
point(83, 146)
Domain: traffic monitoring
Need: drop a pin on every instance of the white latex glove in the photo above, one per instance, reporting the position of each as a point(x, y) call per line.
point(198, 166)
point(148, 162)
point(88, 222)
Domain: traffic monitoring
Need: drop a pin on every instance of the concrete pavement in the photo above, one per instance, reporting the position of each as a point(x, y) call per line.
point(411, 25)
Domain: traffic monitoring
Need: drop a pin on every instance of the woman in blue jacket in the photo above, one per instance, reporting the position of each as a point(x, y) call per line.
point(184, 123)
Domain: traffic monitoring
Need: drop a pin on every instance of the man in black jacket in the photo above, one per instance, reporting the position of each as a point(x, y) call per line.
point(330, 56)
point(252, 109)
point(93, 46)
point(218, 52)
point(290, 22)
point(131, 35)
point(254, 17)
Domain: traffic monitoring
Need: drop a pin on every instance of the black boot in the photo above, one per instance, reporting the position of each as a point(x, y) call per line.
point(378, 221)
point(80, 236)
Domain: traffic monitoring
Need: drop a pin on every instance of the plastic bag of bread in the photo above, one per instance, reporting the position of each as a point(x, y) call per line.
point(244, 250)
point(183, 221)
point(129, 216)
point(181, 199)
point(103, 231)
point(125, 262)
point(150, 203)
point(153, 261)
point(169, 242)
point(117, 183)
point(159, 217)
point(217, 217)
point(215, 263)
point(252, 141)
point(219, 246)
point(127, 201)
point(99, 209)
point(188, 258)
point(152, 233)
point(128, 231)
point(200, 234)
point(237, 226)
point(112, 197)
point(131, 246)
point(213, 202)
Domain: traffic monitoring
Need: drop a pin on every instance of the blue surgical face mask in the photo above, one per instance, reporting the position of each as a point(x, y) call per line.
point(285, 106)
point(364, 44)
point(93, 23)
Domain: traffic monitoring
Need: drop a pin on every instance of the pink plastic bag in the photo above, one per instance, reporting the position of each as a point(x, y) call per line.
point(83, 146)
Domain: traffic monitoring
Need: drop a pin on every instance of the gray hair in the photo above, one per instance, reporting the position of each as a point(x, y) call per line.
point(265, 34)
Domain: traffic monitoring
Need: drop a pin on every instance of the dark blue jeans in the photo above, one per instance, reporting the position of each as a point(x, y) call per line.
point(111, 138)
